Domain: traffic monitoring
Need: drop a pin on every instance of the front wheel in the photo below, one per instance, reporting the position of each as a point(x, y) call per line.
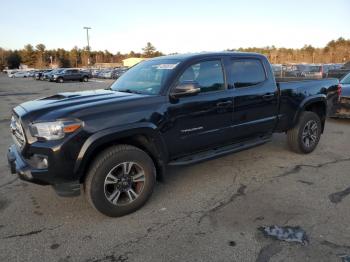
point(304, 137)
point(85, 79)
point(120, 180)
point(60, 80)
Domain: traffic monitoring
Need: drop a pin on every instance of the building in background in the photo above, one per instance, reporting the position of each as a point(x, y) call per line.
point(131, 61)
point(107, 65)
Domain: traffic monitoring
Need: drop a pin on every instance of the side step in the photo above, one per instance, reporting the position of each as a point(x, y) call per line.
point(219, 151)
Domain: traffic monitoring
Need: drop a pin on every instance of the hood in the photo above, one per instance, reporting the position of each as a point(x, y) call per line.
point(72, 101)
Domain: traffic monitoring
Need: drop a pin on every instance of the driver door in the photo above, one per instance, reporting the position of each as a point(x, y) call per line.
point(198, 122)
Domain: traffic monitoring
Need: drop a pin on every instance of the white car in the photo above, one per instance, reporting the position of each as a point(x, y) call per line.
point(106, 74)
point(11, 73)
point(20, 74)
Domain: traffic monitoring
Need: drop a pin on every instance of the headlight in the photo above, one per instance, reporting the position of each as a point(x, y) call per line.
point(54, 130)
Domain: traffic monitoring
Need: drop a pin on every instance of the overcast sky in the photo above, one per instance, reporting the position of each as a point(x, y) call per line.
point(173, 26)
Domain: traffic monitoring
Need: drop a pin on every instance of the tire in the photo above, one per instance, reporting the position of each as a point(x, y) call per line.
point(101, 190)
point(60, 80)
point(85, 79)
point(304, 137)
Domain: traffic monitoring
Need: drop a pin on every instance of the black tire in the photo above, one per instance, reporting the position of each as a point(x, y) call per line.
point(297, 141)
point(85, 79)
point(60, 80)
point(95, 186)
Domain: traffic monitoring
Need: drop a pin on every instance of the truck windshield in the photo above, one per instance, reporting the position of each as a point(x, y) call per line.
point(147, 77)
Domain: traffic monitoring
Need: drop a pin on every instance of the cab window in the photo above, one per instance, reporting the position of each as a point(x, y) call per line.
point(247, 72)
point(208, 74)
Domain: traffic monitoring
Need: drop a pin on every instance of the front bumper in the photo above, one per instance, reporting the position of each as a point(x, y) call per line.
point(25, 172)
point(19, 166)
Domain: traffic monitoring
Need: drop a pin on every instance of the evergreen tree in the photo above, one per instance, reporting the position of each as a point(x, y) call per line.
point(148, 50)
point(14, 60)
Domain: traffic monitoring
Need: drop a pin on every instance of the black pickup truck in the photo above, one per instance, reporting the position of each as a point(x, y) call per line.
point(172, 110)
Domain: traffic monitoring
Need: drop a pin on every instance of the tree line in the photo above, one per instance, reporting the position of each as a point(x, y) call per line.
point(336, 51)
point(40, 57)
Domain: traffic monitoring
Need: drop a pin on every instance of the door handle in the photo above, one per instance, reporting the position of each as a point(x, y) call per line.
point(224, 104)
point(268, 96)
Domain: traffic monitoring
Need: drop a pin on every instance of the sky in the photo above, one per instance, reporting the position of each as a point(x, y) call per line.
point(173, 26)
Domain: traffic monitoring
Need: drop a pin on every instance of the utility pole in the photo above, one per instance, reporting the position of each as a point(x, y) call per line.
point(88, 43)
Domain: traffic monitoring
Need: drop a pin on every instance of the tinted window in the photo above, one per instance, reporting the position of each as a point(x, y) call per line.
point(247, 72)
point(209, 75)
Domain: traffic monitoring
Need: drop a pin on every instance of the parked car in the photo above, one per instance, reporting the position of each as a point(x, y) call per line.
point(327, 67)
point(339, 73)
point(10, 73)
point(294, 70)
point(88, 72)
point(277, 70)
point(172, 110)
point(70, 74)
point(340, 107)
point(20, 74)
point(48, 75)
point(95, 72)
point(40, 74)
point(304, 70)
point(312, 71)
point(106, 74)
point(116, 73)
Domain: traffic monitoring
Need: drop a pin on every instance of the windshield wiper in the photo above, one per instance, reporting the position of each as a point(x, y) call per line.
point(129, 91)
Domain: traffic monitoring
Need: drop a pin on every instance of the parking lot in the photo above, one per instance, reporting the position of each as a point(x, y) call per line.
point(204, 212)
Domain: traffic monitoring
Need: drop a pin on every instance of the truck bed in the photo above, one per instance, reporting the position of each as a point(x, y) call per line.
point(293, 93)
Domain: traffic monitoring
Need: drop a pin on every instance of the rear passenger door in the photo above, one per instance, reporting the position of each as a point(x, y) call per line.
point(255, 97)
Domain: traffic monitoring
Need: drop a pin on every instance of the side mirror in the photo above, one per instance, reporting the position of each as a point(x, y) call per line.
point(187, 88)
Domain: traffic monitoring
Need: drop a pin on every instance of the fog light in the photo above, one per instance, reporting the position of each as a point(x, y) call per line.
point(39, 161)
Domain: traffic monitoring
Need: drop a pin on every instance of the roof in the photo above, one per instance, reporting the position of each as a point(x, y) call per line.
point(206, 54)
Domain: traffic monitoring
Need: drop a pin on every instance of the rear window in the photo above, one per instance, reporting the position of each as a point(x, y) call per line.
point(247, 72)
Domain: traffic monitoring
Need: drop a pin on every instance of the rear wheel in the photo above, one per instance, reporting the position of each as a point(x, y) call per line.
point(60, 80)
point(304, 137)
point(120, 180)
point(85, 79)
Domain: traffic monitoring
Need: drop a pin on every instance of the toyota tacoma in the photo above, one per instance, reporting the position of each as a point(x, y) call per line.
point(114, 143)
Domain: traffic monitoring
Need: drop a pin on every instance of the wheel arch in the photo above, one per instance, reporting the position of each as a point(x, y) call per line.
point(316, 104)
point(146, 138)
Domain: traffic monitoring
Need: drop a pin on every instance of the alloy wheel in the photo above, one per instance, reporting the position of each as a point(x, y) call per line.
point(310, 134)
point(124, 183)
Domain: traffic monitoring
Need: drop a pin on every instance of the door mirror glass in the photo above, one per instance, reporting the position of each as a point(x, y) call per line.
point(186, 88)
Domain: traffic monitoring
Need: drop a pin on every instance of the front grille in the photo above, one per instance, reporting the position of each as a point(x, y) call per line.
point(17, 132)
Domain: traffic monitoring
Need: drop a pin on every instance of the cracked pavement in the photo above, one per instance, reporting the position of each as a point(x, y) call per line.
point(204, 212)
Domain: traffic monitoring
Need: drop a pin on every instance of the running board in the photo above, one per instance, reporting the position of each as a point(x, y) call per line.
point(217, 152)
